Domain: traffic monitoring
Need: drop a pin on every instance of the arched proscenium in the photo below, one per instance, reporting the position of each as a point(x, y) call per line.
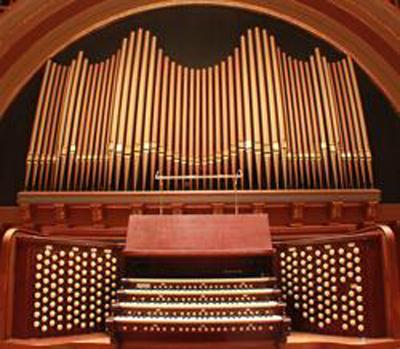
point(33, 31)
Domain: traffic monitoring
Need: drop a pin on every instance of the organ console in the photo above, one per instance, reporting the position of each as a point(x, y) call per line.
point(213, 149)
point(187, 297)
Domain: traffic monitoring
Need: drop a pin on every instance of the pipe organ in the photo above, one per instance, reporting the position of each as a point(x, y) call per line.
point(260, 134)
point(287, 123)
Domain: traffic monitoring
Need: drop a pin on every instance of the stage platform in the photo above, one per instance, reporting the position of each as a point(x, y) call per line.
point(296, 340)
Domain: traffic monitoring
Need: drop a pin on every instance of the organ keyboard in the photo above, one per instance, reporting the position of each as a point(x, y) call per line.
point(240, 307)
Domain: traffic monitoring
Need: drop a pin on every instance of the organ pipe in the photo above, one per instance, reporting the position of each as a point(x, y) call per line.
point(285, 122)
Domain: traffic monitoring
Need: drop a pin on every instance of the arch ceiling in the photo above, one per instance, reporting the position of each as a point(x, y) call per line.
point(34, 31)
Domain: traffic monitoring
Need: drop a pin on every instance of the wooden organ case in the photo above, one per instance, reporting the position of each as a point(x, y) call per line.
point(140, 133)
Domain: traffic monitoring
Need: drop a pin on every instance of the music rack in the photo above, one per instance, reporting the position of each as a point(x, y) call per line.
point(234, 177)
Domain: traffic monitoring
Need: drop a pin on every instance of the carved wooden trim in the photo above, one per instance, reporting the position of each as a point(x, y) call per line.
point(335, 212)
point(258, 207)
point(136, 208)
point(218, 208)
point(371, 212)
point(297, 214)
point(203, 197)
point(26, 213)
point(7, 263)
point(391, 281)
point(177, 208)
point(60, 214)
point(97, 215)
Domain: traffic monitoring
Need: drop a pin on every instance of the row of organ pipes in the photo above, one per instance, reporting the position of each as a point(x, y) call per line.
point(285, 122)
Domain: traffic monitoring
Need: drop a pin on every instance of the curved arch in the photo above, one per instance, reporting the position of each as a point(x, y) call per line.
point(34, 31)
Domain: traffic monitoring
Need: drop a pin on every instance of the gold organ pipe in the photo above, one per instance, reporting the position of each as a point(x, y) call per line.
point(211, 125)
point(69, 143)
point(287, 150)
point(280, 116)
point(114, 148)
point(184, 143)
point(356, 125)
point(343, 127)
point(35, 129)
point(225, 123)
point(294, 179)
point(140, 111)
point(239, 113)
point(197, 129)
point(59, 135)
point(110, 145)
point(68, 122)
point(97, 158)
point(74, 154)
point(92, 157)
point(303, 139)
point(272, 107)
point(45, 152)
point(332, 147)
point(88, 126)
point(148, 112)
point(265, 127)
point(122, 154)
point(204, 153)
point(178, 125)
point(191, 125)
point(83, 126)
point(91, 121)
point(156, 115)
point(76, 116)
point(303, 110)
point(362, 124)
point(120, 149)
point(351, 127)
point(321, 123)
point(126, 115)
point(43, 126)
point(232, 116)
point(101, 133)
point(314, 126)
point(107, 112)
point(54, 130)
point(43, 118)
point(133, 104)
point(334, 121)
point(338, 127)
point(163, 115)
point(307, 125)
point(255, 113)
point(297, 123)
point(217, 132)
point(170, 128)
point(248, 143)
